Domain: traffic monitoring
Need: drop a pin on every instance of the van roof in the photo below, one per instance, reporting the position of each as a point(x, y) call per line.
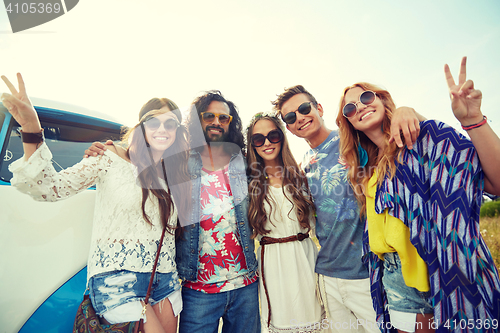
point(73, 113)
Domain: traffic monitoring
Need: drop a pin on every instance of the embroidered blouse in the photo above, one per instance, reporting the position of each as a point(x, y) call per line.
point(121, 238)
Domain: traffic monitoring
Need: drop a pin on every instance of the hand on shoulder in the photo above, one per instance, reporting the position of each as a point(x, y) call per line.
point(118, 150)
point(97, 148)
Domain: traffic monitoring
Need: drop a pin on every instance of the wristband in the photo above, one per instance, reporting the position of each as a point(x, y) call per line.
point(479, 124)
point(32, 137)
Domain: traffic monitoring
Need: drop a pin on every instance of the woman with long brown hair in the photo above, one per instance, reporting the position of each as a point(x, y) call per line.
point(134, 203)
point(281, 215)
point(430, 268)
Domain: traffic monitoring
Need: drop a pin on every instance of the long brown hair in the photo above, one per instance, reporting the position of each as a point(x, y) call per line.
point(294, 181)
point(193, 121)
point(359, 176)
point(172, 167)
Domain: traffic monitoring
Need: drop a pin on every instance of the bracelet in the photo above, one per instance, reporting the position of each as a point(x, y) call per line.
point(479, 124)
point(32, 137)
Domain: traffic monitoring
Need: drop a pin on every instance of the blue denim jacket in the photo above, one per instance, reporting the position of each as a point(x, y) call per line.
point(187, 246)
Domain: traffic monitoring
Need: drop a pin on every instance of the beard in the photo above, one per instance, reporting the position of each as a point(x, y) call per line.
point(211, 137)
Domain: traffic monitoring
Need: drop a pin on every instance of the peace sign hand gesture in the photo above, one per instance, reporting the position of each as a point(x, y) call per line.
point(465, 100)
point(19, 105)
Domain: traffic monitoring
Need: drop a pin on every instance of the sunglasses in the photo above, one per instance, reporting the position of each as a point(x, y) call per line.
point(169, 125)
point(274, 136)
point(209, 117)
point(366, 98)
point(291, 117)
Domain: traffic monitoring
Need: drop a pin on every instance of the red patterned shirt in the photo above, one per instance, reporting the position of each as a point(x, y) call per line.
point(221, 262)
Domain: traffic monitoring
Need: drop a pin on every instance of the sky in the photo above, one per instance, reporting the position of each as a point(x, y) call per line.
point(114, 55)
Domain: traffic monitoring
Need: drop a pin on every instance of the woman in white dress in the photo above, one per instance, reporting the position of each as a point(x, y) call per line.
point(133, 205)
point(281, 213)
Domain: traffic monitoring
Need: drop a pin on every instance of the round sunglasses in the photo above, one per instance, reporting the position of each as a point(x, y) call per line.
point(291, 117)
point(169, 125)
point(366, 98)
point(274, 136)
point(209, 117)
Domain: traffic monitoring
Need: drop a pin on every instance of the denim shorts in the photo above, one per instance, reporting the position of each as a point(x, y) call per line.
point(399, 296)
point(111, 289)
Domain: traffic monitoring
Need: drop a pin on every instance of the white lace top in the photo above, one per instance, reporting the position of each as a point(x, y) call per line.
point(121, 238)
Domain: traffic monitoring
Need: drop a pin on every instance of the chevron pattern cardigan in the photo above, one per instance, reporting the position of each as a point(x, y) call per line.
point(437, 193)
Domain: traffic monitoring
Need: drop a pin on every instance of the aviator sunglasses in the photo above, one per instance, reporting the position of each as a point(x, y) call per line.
point(291, 117)
point(209, 117)
point(274, 136)
point(169, 125)
point(366, 98)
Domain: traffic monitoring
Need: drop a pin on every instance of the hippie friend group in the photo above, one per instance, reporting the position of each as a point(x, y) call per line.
point(393, 199)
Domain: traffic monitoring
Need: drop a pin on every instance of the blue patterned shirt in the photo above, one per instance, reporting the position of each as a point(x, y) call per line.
point(338, 225)
point(437, 192)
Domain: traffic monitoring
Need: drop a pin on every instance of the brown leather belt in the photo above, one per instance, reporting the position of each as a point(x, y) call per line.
point(269, 240)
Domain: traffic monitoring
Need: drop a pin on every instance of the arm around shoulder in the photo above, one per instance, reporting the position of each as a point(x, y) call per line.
point(118, 150)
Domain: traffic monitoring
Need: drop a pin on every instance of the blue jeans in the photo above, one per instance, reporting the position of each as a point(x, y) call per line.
point(238, 308)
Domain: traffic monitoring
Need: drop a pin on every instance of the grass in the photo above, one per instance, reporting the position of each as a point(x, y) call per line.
point(490, 230)
point(490, 208)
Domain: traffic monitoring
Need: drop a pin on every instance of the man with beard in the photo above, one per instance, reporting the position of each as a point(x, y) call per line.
point(215, 255)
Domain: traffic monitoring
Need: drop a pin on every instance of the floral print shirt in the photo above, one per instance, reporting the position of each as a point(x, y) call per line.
point(338, 225)
point(221, 265)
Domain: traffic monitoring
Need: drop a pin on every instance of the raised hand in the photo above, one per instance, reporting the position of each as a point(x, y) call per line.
point(466, 105)
point(19, 105)
point(465, 100)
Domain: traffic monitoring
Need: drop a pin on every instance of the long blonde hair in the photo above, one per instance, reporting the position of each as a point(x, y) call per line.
point(294, 181)
point(358, 175)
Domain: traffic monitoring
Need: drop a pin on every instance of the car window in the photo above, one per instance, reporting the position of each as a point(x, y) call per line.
point(67, 142)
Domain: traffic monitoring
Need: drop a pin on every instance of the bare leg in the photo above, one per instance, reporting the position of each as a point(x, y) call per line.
point(165, 315)
point(153, 324)
point(423, 323)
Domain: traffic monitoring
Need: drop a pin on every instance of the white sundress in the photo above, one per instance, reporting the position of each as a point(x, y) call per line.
point(289, 272)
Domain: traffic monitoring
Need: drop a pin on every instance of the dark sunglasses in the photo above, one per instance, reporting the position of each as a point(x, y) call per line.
point(169, 125)
point(366, 98)
point(209, 117)
point(291, 117)
point(274, 136)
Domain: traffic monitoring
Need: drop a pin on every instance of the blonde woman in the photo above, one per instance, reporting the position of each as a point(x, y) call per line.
point(422, 207)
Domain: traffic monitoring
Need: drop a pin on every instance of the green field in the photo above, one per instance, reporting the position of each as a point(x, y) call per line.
point(490, 229)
